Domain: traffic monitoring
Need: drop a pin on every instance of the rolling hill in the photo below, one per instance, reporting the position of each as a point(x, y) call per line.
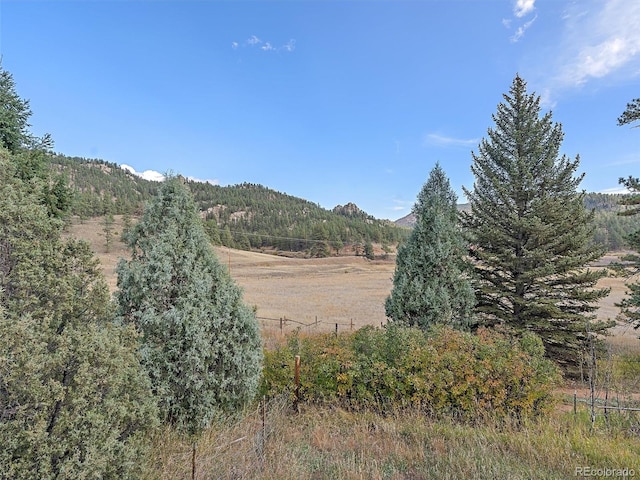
point(245, 216)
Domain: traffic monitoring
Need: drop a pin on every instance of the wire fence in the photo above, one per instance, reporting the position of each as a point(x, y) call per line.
point(627, 409)
point(235, 450)
point(285, 325)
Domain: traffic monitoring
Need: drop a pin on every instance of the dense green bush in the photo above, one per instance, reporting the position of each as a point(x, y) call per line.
point(442, 370)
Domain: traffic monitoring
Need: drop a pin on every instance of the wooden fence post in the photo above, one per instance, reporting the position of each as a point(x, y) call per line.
point(336, 329)
point(264, 426)
point(297, 379)
point(193, 461)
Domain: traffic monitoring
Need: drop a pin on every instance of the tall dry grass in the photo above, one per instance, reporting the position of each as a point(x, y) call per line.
point(329, 443)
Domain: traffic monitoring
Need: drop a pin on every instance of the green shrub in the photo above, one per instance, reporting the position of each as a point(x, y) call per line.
point(442, 370)
point(627, 371)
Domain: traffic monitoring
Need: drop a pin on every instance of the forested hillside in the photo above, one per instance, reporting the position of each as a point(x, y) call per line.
point(611, 228)
point(102, 187)
point(249, 216)
point(242, 216)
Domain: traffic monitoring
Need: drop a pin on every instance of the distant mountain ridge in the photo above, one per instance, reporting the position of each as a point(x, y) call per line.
point(610, 230)
point(254, 216)
point(247, 216)
point(408, 221)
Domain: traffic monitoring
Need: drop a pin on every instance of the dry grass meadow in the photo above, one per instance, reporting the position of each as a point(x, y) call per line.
point(333, 290)
point(344, 290)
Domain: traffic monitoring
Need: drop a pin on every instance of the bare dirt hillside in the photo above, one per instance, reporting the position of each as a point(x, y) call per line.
point(345, 290)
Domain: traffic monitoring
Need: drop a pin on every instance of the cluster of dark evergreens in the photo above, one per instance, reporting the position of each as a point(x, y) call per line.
point(84, 378)
point(612, 230)
point(252, 216)
point(102, 187)
point(518, 259)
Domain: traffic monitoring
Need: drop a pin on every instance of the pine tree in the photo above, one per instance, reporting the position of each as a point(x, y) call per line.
point(631, 113)
point(226, 238)
point(14, 115)
point(200, 343)
point(531, 232)
point(29, 153)
point(320, 241)
point(630, 305)
point(368, 250)
point(431, 283)
point(74, 400)
point(211, 227)
point(107, 230)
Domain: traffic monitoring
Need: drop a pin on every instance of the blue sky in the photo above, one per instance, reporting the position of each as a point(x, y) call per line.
point(332, 101)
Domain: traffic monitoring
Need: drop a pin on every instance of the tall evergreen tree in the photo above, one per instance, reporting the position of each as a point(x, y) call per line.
point(211, 227)
point(530, 231)
point(74, 399)
point(431, 283)
point(200, 343)
point(320, 241)
point(226, 238)
point(14, 115)
point(631, 113)
point(369, 253)
point(29, 153)
point(630, 305)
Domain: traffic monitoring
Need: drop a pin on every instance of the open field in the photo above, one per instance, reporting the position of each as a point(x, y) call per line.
point(333, 290)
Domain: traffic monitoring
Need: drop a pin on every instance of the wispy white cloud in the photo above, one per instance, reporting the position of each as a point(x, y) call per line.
point(212, 181)
point(615, 190)
point(629, 159)
point(400, 205)
point(599, 41)
point(523, 7)
point(155, 176)
point(445, 141)
point(267, 47)
point(290, 46)
point(152, 175)
point(147, 174)
point(521, 29)
point(255, 42)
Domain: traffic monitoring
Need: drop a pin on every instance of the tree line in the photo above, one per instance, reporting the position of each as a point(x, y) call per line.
point(85, 378)
point(518, 259)
point(245, 216)
point(251, 216)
